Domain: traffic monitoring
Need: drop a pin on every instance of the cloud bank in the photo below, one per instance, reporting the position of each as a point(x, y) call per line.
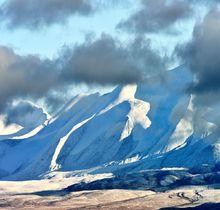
point(202, 55)
point(107, 61)
point(101, 61)
point(24, 76)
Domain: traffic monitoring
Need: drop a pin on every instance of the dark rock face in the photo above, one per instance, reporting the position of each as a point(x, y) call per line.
point(149, 180)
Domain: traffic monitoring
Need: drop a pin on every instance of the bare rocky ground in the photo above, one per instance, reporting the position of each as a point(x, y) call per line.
point(103, 191)
point(100, 199)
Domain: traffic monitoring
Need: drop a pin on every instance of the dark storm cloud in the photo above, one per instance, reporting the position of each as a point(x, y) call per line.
point(156, 16)
point(25, 114)
point(102, 61)
point(202, 54)
point(34, 13)
point(106, 61)
point(24, 76)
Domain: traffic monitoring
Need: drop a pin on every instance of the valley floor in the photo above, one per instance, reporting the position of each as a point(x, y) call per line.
point(23, 195)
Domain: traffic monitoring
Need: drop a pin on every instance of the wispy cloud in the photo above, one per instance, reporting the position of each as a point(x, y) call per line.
point(25, 114)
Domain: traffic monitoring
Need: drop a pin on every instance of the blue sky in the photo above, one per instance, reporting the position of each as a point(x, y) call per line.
point(49, 40)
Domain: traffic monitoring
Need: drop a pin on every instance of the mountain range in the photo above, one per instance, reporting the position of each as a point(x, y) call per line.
point(133, 128)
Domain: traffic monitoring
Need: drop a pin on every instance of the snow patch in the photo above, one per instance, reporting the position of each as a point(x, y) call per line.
point(54, 166)
point(31, 133)
point(137, 115)
point(10, 129)
point(130, 160)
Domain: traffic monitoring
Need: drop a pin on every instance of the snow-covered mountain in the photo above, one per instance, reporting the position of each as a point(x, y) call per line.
point(134, 127)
